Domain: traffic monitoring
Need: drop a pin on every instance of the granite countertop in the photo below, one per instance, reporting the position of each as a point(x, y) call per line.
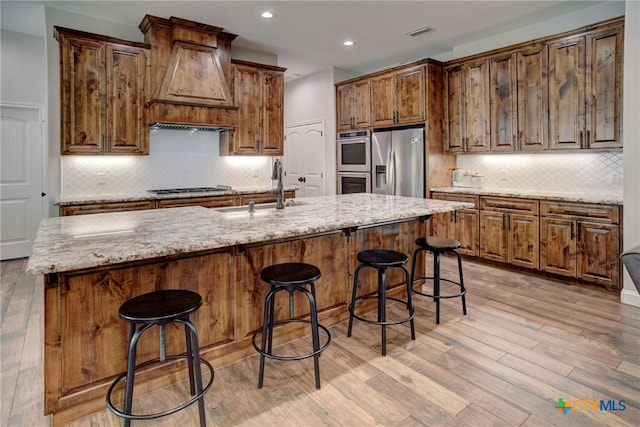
point(600, 197)
point(87, 241)
point(133, 197)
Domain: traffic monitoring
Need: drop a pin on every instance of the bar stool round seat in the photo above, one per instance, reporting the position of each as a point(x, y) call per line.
point(438, 246)
point(381, 260)
point(160, 308)
point(291, 277)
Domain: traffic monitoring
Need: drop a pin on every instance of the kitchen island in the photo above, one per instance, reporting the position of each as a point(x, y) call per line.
point(93, 263)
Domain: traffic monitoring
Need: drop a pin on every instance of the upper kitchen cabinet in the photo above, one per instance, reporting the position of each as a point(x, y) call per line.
point(259, 92)
point(353, 102)
point(103, 90)
point(533, 98)
point(398, 97)
point(518, 96)
point(585, 89)
point(466, 107)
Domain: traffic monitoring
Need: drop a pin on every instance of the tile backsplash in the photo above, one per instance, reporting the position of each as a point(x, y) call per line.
point(567, 172)
point(177, 158)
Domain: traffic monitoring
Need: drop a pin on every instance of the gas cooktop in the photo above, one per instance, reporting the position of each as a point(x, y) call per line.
point(192, 190)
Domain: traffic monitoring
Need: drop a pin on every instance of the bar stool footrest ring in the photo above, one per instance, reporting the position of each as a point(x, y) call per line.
point(191, 401)
point(304, 356)
point(439, 296)
point(387, 322)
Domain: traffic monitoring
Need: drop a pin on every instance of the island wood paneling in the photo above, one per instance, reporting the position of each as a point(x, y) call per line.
point(86, 341)
point(525, 341)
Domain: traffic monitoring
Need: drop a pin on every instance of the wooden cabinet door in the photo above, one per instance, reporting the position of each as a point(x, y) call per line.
point(272, 96)
point(558, 246)
point(598, 255)
point(493, 236)
point(524, 240)
point(466, 231)
point(503, 97)
point(82, 95)
point(604, 88)
point(353, 101)
point(361, 105)
point(442, 224)
point(382, 100)
point(533, 99)
point(246, 84)
point(453, 110)
point(476, 104)
point(344, 102)
point(566, 93)
point(127, 115)
point(409, 95)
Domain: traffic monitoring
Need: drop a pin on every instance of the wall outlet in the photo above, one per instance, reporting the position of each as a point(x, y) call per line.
point(614, 178)
point(101, 178)
point(254, 172)
point(504, 175)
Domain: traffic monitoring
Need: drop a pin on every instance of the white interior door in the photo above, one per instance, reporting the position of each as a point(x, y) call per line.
point(304, 158)
point(21, 196)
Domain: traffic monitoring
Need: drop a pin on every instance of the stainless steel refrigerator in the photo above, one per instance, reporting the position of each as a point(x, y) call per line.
point(398, 163)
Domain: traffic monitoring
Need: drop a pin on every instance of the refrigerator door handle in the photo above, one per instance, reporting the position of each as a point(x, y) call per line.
point(392, 189)
point(388, 176)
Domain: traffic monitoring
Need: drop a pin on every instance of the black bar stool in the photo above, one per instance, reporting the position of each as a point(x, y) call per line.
point(381, 260)
point(438, 246)
point(160, 308)
point(290, 277)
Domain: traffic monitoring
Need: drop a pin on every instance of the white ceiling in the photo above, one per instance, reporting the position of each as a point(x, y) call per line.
point(307, 36)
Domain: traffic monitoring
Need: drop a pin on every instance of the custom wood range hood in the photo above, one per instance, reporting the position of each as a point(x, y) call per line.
point(190, 70)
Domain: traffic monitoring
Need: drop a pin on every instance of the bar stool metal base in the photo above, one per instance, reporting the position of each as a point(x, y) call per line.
point(381, 260)
point(160, 308)
point(193, 399)
point(290, 277)
point(438, 246)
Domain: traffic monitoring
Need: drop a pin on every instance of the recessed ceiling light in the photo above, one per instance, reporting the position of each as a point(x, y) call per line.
point(267, 15)
point(348, 43)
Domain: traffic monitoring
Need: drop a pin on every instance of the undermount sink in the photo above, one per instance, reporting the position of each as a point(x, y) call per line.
point(259, 209)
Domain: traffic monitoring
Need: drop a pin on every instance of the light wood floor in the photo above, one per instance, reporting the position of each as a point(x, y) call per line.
point(525, 342)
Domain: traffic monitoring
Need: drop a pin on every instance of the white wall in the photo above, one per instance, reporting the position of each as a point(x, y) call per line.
point(631, 124)
point(23, 69)
point(311, 98)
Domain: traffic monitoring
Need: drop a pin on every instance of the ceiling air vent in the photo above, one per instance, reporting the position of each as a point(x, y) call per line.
point(418, 31)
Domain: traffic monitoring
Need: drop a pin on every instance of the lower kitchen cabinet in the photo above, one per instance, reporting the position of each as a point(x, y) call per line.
point(581, 241)
point(264, 197)
point(94, 208)
point(461, 225)
point(577, 240)
point(509, 230)
point(207, 202)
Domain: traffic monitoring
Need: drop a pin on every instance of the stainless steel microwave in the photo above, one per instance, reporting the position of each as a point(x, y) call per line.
point(354, 151)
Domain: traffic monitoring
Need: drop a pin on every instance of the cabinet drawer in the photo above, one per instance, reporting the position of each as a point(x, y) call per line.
point(592, 212)
point(207, 202)
point(264, 197)
point(93, 208)
point(509, 204)
point(454, 197)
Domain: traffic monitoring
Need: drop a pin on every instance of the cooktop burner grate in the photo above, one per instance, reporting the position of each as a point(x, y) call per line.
point(192, 190)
